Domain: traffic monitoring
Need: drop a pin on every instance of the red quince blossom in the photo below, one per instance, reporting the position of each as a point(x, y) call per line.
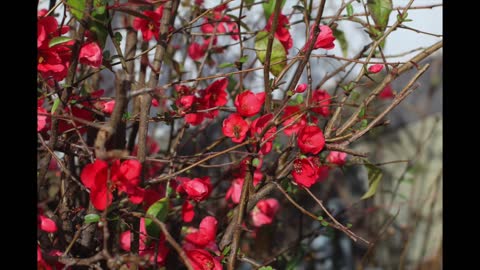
point(248, 103)
point(107, 107)
point(197, 189)
point(375, 68)
point(235, 127)
point(41, 263)
point(307, 171)
point(324, 40)
point(321, 99)
point(338, 158)
point(151, 27)
point(204, 236)
point(91, 54)
point(235, 190)
point(144, 249)
point(187, 211)
point(83, 113)
point(220, 23)
point(289, 115)
point(46, 224)
point(281, 33)
point(264, 212)
point(311, 140)
point(386, 93)
point(53, 62)
point(215, 95)
point(125, 177)
point(202, 260)
point(257, 127)
point(196, 51)
point(41, 118)
point(301, 88)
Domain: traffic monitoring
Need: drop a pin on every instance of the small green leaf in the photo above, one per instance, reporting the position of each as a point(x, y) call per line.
point(349, 10)
point(243, 59)
point(349, 225)
point(91, 218)
point(265, 268)
point(362, 112)
point(118, 37)
point(299, 99)
point(226, 250)
point(58, 40)
point(320, 218)
point(226, 65)
point(76, 8)
point(354, 95)
point(56, 102)
point(324, 223)
point(269, 6)
point(159, 210)
point(363, 124)
point(255, 162)
point(374, 176)
point(380, 12)
point(278, 52)
point(343, 41)
point(249, 3)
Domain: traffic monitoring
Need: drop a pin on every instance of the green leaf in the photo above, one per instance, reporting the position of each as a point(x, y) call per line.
point(278, 52)
point(320, 218)
point(118, 37)
point(374, 176)
point(324, 223)
point(243, 59)
point(58, 40)
point(265, 268)
point(363, 124)
point(76, 8)
point(159, 210)
point(255, 162)
point(56, 102)
point(349, 10)
point(343, 41)
point(269, 6)
point(380, 12)
point(226, 65)
point(226, 250)
point(362, 112)
point(299, 99)
point(91, 218)
point(354, 95)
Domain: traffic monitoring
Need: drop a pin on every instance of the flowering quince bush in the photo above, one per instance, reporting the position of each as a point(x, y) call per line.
point(211, 138)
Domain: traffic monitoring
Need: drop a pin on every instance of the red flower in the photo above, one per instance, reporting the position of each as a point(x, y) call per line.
point(264, 212)
point(52, 62)
point(321, 99)
point(144, 249)
point(125, 177)
point(299, 122)
point(41, 119)
point(197, 189)
point(108, 106)
point(150, 27)
point(386, 93)
point(235, 127)
point(90, 54)
point(324, 40)
point(185, 102)
point(248, 104)
point(46, 224)
point(301, 88)
point(197, 51)
point(202, 260)
point(338, 158)
point(222, 23)
point(375, 68)
point(215, 95)
point(235, 190)
point(41, 263)
point(311, 140)
point(205, 234)
point(257, 127)
point(187, 211)
point(306, 171)
point(281, 33)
